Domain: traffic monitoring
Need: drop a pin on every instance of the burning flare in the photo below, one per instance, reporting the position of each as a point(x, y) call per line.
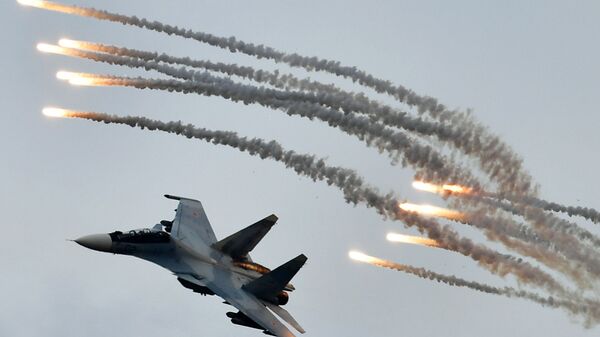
point(32, 3)
point(441, 189)
point(68, 43)
point(85, 79)
point(51, 48)
point(58, 112)
point(433, 211)
point(80, 45)
point(361, 257)
point(69, 75)
point(52, 6)
point(55, 49)
point(394, 237)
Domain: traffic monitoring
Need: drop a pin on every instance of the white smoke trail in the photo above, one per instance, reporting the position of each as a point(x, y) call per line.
point(587, 213)
point(504, 230)
point(247, 94)
point(555, 224)
point(357, 125)
point(548, 238)
point(275, 78)
point(501, 163)
point(354, 191)
point(328, 95)
point(254, 94)
point(149, 61)
point(398, 145)
point(590, 310)
point(247, 72)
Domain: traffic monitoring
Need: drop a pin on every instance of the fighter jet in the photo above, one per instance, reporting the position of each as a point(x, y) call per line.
point(187, 246)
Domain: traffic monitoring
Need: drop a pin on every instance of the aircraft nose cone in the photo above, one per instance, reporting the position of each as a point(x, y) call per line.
point(100, 242)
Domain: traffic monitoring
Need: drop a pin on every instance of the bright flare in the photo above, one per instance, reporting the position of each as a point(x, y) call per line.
point(80, 45)
point(393, 237)
point(361, 257)
point(53, 6)
point(432, 210)
point(427, 187)
point(57, 112)
point(68, 43)
point(440, 189)
point(69, 75)
point(456, 189)
point(50, 48)
point(83, 81)
point(32, 3)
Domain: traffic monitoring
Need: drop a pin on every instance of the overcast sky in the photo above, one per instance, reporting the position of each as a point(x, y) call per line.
point(529, 70)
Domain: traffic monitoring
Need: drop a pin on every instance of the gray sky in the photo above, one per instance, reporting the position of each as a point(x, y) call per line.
point(529, 70)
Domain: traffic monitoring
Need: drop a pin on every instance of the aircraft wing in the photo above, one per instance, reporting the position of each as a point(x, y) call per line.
point(285, 315)
point(256, 310)
point(228, 286)
point(191, 226)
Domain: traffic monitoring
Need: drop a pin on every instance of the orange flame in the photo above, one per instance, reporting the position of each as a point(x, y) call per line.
point(32, 3)
point(432, 210)
point(393, 237)
point(58, 112)
point(51, 48)
point(441, 189)
point(84, 79)
point(68, 43)
point(80, 45)
point(69, 75)
point(457, 189)
point(53, 6)
point(361, 257)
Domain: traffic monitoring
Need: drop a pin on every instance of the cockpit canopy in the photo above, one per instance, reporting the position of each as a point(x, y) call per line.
point(144, 235)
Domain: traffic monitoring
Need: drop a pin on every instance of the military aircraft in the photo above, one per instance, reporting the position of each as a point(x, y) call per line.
point(187, 246)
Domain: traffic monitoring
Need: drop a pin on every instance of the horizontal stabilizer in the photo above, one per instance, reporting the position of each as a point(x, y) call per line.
point(238, 245)
point(268, 286)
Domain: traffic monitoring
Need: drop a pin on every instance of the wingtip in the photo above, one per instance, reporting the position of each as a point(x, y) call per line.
point(302, 258)
point(272, 218)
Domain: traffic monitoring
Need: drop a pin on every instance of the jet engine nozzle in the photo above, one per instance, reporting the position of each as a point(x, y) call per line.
point(99, 242)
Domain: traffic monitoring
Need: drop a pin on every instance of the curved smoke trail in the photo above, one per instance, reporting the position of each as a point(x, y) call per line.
point(588, 309)
point(432, 163)
point(274, 78)
point(496, 159)
point(462, 138)
point(354, 191)
point(502, 164)
point(494, 151)
point(288, 81)
point(561, 226)
point(587, 213)
point(204, 83)
point(397, 144)
point(358, 126)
